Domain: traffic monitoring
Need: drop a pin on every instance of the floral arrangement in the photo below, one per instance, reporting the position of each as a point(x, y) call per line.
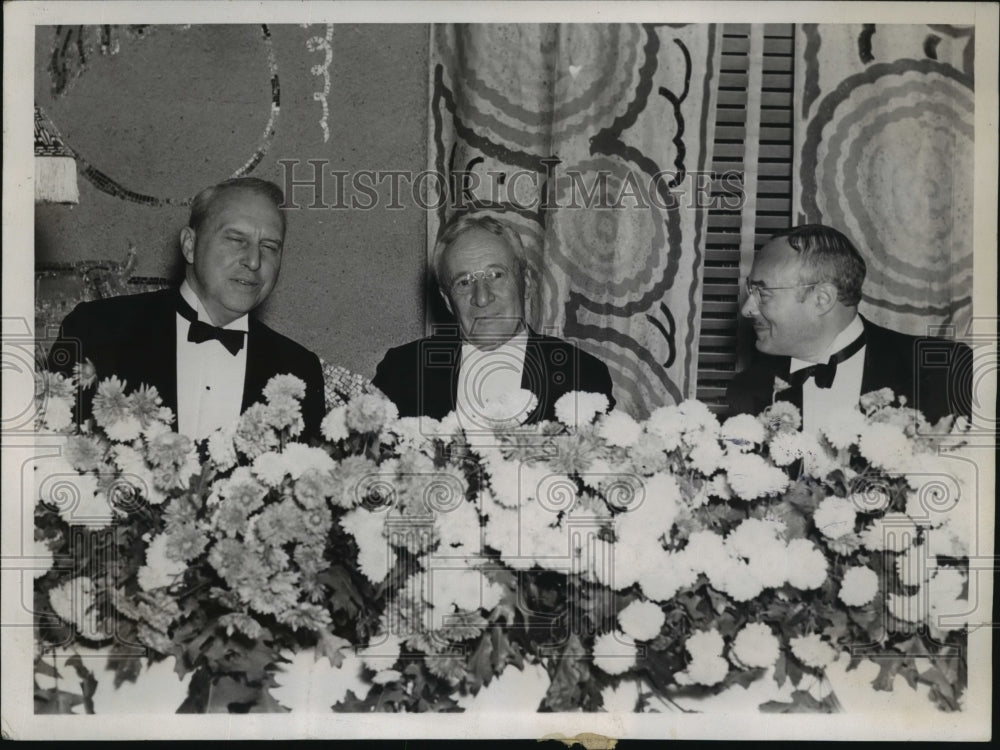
point(624, 565)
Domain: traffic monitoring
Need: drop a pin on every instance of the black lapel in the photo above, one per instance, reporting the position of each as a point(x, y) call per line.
point(155, 348)
point(259, 365)
point(440, 359)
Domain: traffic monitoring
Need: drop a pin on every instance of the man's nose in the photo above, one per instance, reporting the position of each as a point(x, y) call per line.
point(749, 307)
point(251, 258)
point(482, 295)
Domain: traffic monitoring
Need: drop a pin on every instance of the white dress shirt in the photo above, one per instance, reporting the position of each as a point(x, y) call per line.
point(818, 404)
point(488, 375)
point(209, 378)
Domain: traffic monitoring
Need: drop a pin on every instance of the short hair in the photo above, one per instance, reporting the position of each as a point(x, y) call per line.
point(828, 257)
point(466, 222)
point(201, 206)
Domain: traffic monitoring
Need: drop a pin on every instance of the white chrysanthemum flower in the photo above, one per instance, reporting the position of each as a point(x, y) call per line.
point(886, 446)
point(817, 461)
point(747, 538)
point(843, 427)
point(654, 516)
point(284, 386)
point(706, 456)
point(738, 580)
point(813, 651)
point(222, 449)
point(382, 653)
point(667, 574)
point(641, 620)
point(908, 608)
point(706, 553)
point(769, 563)
point(42, 559)
point(621, 698)
point(665, 424)
point(708, 671)
point(459, 528)
point(784, 448)
point(751, 477)
point(270, 468)
point(908, 565)
point(619, 429)
point(466, 590)
point(756, 646)
point(893, 532)
point(806, 565)
point(374, 550)
point(614, 653)
point(334, 425)
point(368, 413)
point(74, 603)
point(300, 458)
point(835, 516)
point(124, 430)
point(159, 570)
point(578, 408)
point(859, 586)
point(743, 431)
point(57, 414)
point(704, 643)
point(948, 607)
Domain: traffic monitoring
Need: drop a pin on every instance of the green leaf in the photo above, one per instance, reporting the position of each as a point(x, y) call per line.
point(565, 690)
point(802, 702)
point(87, 681)
point(330, 645)
point(55, 701)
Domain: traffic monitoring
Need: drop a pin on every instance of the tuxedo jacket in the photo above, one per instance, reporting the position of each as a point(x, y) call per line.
point(135, 338)
point(421, 377)
point(935, 375)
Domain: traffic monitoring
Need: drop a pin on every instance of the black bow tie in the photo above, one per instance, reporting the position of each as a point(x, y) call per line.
point(825, 372)
point(200, 331)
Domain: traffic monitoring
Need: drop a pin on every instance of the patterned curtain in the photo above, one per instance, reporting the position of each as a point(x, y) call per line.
point(591, 138)
point(884, 129)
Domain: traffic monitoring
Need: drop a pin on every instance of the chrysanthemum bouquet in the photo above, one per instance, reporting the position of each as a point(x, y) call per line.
point(630, 565)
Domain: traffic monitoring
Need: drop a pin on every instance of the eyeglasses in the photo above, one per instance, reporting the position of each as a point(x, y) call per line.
point(493, 277)
point(754, 289)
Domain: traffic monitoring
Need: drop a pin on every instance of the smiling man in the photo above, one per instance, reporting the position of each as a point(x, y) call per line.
point(208, 358)
point(802, 297)
point(484, 369)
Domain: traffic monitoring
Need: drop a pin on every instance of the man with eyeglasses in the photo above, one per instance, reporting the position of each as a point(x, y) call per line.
point(815, 350)
point(484, 370)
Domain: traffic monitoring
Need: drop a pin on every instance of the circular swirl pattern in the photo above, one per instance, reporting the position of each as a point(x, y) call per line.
point(623, 491)
point(556, 493)
point(870, 495)
point(61, 493)
point(127, 493)
point(443, 493)
point(375, 492)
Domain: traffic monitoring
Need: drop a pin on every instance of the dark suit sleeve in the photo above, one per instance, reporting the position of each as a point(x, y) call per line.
point(595, 378)
point(69, 348)
point(943, 371)
point(392, 377)
point(314, 403)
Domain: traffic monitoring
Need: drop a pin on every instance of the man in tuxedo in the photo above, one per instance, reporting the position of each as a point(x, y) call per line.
point(483, 276)
point(803, 294)
point(208, 358)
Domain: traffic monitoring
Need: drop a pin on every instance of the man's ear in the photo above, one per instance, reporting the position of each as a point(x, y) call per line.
point(826, 296)
point(187, 244)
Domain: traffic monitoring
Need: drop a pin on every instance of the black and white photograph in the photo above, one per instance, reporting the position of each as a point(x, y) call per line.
point(586, 372)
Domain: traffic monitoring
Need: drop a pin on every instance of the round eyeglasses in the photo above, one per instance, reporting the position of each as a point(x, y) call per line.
point(492, 277)
point(755, 288)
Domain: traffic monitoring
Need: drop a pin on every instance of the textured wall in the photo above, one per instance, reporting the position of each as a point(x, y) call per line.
point(162, 111)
